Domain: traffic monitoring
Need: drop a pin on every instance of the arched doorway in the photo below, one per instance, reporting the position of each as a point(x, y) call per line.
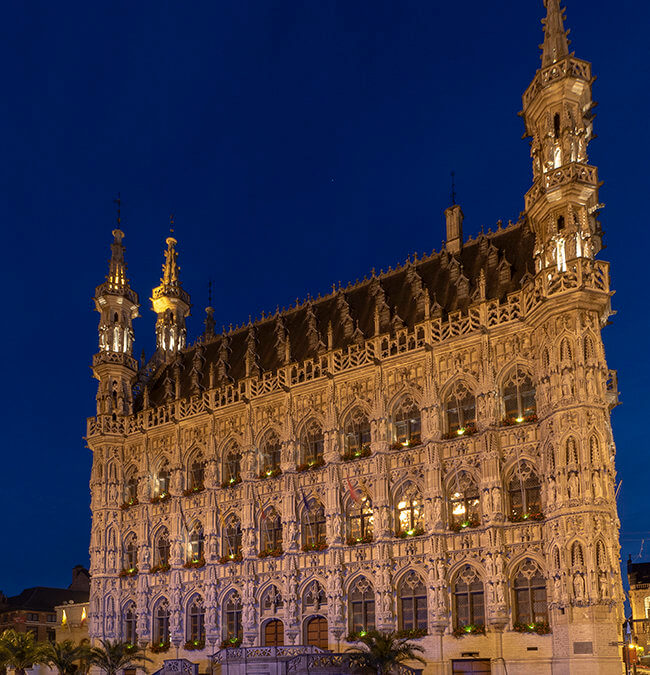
point(274, 633)
point(316, 632)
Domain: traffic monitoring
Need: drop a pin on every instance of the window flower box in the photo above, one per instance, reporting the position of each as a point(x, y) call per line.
point(128, 504)
point(412, 633)
point(314, 464)
point(195, 564)
point(523, 517)
point(163, 497)
point(459, 527)
point(353, 541)
point(525, 419)
point(356, 454)
point(231, 482)
point(539, 627)
point(270, 473)
point(468, 430)
point(407, 534)
point(164, 567)
point(130, 572)
point(230, 643)
point(408, 443)
point(194, 645)
point(469, 629)
point(231, 557)
point(271, 553)
point(193, 490)
point(129, 648)
point(159, 647)
point(315, 546)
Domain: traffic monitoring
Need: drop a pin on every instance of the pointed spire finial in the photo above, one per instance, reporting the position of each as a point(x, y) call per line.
point(556, 42)
point(453, 188)
point(118, 204)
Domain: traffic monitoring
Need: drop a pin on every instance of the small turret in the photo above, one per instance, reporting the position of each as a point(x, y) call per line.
point(114, 365)
point(171, 303)
point(558, 113)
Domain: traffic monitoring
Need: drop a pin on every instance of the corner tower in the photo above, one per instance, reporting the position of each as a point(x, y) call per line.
point(114, 365)
point(562, 204)
point(171, 303)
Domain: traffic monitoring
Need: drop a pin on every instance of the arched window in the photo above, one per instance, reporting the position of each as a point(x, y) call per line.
point(196, 621)
point(161, 623)
point(589, 349)
point(524, 492)
point(129, 633)
point(602, 569)
point(646, 606)
point(469, 605)
point(131, 487)
point(232, 620)
point(556, 558)
point(313, 526)
point(161, 549)
point(565, 351)
point(577, 556)
point(409, 512)
point(356, 434)
point(272, 601)
point(530, 594)
point(406, 423)
point(130, 553)
point(464, 502)
point(232, 537)
point(270, 454)
point(460, 409)
point(312, 444)
point(571, 451)
point(161, 482)
point(314, 597)
point(196, 545)
point(196, 473)
point(519, 398)
point(360, 520)
point(412, 594)
point(274, 633)
point(231, 466)
point(271, 532)
point(362, 606)
point(594, 451)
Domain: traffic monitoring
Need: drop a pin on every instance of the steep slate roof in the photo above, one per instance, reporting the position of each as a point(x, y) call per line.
point(505, 257)
point(43, 599)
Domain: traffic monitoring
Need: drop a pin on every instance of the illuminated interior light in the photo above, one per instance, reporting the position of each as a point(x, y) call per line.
point(460, 431)
point(519, 420)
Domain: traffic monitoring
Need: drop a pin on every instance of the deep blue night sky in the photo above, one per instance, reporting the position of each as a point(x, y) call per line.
point(298, 144)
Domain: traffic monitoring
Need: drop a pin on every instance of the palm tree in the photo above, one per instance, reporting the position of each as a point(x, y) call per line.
point(111, 657)
point(65, 657)
point(20, 651)
point(381, 652)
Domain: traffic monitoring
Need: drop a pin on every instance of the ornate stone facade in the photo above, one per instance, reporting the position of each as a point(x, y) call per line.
point(429, 449)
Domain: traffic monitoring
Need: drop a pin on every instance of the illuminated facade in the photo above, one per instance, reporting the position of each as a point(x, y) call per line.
point(427, 450)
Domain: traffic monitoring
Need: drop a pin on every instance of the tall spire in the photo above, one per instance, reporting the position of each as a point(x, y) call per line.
point(170, 301)
point(556, 42)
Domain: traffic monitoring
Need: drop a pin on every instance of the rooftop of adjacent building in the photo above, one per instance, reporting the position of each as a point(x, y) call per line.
point(638, 573)
point(44, 598)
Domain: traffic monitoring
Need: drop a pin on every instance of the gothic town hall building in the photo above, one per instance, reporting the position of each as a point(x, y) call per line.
point(428, 450)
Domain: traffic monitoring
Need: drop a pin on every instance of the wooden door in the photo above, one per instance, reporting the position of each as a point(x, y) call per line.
point(317, 632)
point(274, 633)
point(473, 666)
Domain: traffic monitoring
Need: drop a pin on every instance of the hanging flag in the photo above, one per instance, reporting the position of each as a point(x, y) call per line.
point(365, 490)
point(305, 501)
point(355, 495)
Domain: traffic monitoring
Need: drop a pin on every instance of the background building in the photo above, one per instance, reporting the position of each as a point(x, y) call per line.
point(72, 621)
point(34, 609)
point(426, 450)
point(638, 576)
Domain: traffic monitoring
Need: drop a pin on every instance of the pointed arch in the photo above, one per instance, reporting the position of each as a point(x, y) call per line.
point(270, 532)
point(311, 441)
point(313, 596)
point(129, 623)
point(271, 601)
point(161, 478)
point(406, 420)
point(131, 485)
point(518, 395)
point(269, 453)
point(409, 509)
point(565, 350)
point(195, 470)
point(195, 621)
point(130, 553)
point(463, 500)
point(195, 544)
point(313, 524)
point(524, 492)
point(361, 604)
point(232, 616)
point(356, 432)
point(160, 618)
point(161, 549)
point(468, 597)
point(231, 536)
point(412, 601)
point(459, 406)
point(359, 518)
point(231, 464)
point(529, 590)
